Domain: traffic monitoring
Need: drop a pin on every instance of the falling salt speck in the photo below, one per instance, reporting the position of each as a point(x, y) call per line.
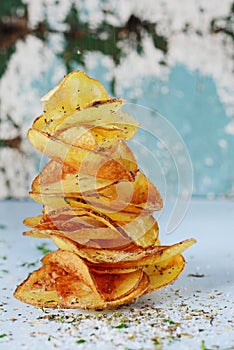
point(164, 90)
point(179, 94)
point(185, 194)
point(181, 160)
point(209, 161)
point(229, 129)
point(222, 143)
point(144, 151)
point(104, 36)
point(207, 180)
point(210, 196)
point(160, 145)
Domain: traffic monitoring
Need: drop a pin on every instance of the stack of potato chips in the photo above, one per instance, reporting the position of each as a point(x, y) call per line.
point(97, 205)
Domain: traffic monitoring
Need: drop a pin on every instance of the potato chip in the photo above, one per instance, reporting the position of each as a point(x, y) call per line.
point(133, 256)
point(35, 290)
point(77, 215)
point(63, 222)
point(143, 230)
point(104, 114)
point(86, 300)
point(139, 194)
point(92, 114)
point(65, 278)
point(78, 136)
point(100, 238)
point(89, 138)
point(58, 178)
point(86, 162)
point(116, 286)
point(162, 273)
point(75, 92)
point(117, 197)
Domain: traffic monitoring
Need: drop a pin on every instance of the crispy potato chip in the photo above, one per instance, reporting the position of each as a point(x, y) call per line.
point(58, 178)
point(143, 230)
point(116, 286)
point(79, 137)
point(133, 256)
point(92, 114)
point(101, 114)
point(78, 295)
point(57, 202)
point(63, 222)
point(162, 273)
point(120, 197)
point(74, 92)
point(89, 138)
point(65, 278)
point(65, 214)
point(36, 291)
point(101, 238)
point(116, 271)
point(87, 162)
point(71, 264)
point(134, 196)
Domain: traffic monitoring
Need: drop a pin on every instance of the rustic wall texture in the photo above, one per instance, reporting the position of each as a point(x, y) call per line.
point(174, 57)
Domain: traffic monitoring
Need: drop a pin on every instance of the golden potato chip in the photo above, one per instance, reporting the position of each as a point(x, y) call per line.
point(75, 92)
point(38, 289)
point(133, 256)
point(117, 271)
point(58, 178)
point(88, 138)
point(57, 202)
point(78, 136)
point(112, 200)
point(116, 286)
point(162, 273)
point(63, 222)
point(71, 264)
point(66, 281)
point(87, 162)
point(134, 196)
point(92, 214)
point(92, 114)
point(88, 300)
point(101, 237)
point(104, 114)
point(68, 214)
point(143, 230)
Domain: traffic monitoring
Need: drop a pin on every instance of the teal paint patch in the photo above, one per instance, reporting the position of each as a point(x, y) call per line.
point(191, 103)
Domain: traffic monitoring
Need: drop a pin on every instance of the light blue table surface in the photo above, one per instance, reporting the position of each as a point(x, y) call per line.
point(193, 313)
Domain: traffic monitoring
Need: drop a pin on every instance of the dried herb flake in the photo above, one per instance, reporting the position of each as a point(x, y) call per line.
point(43, 248)
point(121, 325)
point(203, 346)
point(3, 335)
